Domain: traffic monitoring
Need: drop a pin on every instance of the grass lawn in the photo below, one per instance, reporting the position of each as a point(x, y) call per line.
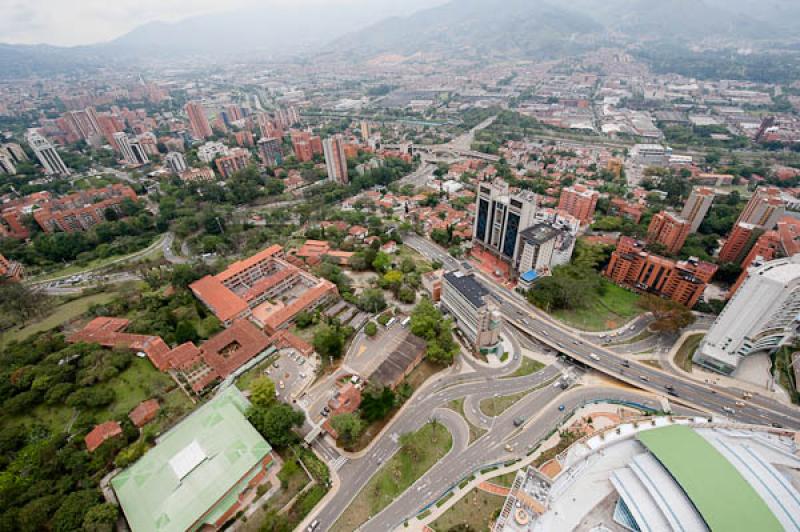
point(153, 250)
point(683, 358)
point(504, 480)
point(494, 406)
point(526, 367)
point(61, 314)
point(782, 364)
point(474, 432)
point(402, 470)
point(243, 382)
point(652, 363)
point(613, 309)
point(423, 265)
point(477, 509)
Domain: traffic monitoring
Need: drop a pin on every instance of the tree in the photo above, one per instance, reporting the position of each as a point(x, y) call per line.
point(22, 303)
point(328, 341)
point(376, 405)
point(371, 300)
point(669, 315)
point(262, 391)
point(276, 422)
point(370, 329)
point(73, 509)
point(275, 522)
point(348, 426)
point(382, 262)
point(410, 445)
point(100, 518)
point(185, 332)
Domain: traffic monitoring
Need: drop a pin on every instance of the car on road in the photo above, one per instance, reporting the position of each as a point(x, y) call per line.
point(519, 421)
point(508, 448)
point(313, 526)
point(739, 404)
point(626, 364)
point(644, 378)
point(576, 342)
point(728, 409)
point(561, 408)
point(593, 356)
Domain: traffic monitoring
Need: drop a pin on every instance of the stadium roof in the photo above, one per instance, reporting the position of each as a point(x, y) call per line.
point(192, 468)
point(725, 500)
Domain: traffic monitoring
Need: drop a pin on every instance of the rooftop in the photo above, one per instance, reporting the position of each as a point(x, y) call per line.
point(725, 500)
point(539, 234)
point(193, 467)
point(467, 286)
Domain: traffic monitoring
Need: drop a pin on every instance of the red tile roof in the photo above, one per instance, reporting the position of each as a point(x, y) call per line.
point(225, 304)
point(242, 265)
point(101, 433)
point(276, 320)
point(144, 412)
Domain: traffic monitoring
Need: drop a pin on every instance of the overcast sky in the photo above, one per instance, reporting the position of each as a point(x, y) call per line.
point(73, 22)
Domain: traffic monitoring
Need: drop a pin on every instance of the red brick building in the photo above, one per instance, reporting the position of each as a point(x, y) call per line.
point(739, 242)
point(237, 160)
point(81, 210)
point(683, 282)
point(580, 202)
point(144, 413)
point(10, 269)
point(631, 211)
point(669, 230)
point(102, 433)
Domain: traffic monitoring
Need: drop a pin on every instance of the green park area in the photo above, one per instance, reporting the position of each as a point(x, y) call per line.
point(419, 451)
point(602, 311)
point(59, 314)
point(474, 511)
point(528, 366)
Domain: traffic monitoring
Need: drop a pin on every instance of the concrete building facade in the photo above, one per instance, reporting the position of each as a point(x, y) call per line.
point(463, 297)
point(697, 206)
point(335, 159)
point(500, 218)
point(761, 317)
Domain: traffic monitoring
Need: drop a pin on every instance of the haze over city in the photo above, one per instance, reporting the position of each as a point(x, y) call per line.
point(449, 265)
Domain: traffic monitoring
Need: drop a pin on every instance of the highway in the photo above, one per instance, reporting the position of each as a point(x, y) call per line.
point(538, 325)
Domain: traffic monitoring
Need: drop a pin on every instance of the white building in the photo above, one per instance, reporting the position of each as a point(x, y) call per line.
point(537, 249)
point(209, 151)
point(46, 154)
point(132, 152)
point(651, 154)
point(501, 217)
point(761, 317)
point(176, 162)
point(463, 297)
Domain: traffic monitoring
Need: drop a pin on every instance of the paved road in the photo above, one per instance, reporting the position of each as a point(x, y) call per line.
point(545, 329)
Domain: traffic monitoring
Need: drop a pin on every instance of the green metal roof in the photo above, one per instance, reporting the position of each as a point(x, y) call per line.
point(192, 467)
point(725, 500)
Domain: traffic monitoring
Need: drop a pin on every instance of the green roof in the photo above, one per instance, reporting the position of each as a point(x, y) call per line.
point(179, 483)
point(725, 500)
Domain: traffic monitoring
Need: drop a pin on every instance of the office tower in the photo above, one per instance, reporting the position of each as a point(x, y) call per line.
point(669, 230)
point(682, 281)
point(697, 206)
point(198, 121)
point(764, 209)
point(761, 317)
point(269, 149)
point(335, 159)
point(47, 155)
point(579, 201)
point(176, 162)
point(464, 298)
point(501, 216)
point(543, 247)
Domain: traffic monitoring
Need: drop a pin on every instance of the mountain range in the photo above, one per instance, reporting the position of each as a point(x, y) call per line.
point(529, 28)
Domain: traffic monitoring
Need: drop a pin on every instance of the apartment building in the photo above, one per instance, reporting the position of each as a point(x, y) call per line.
point(236, 160)
point(697, 206)
point(681, 281)
point(580, 202)
point(669, 230)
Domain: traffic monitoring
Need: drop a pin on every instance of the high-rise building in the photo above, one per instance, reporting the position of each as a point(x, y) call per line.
point(132, 151)
point(739, 242)
point(46, 154)
point(7, 164)
point(579, 201)
point(764, 209)
point(270, 151)
point(176, 162)
point(543, 247)
point(464, 298)
point(683, 281)
point(697, 206)
point(198, 121)
point(784, 241)
point(365, 131)
point(335, 159)
point(501, 216)
point(208, 151)
point(761, 317)
point(235, 161)
point(14, 151)
point(669, 230)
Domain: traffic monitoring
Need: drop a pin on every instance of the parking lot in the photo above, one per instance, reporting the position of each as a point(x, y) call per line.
point(291, 373)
